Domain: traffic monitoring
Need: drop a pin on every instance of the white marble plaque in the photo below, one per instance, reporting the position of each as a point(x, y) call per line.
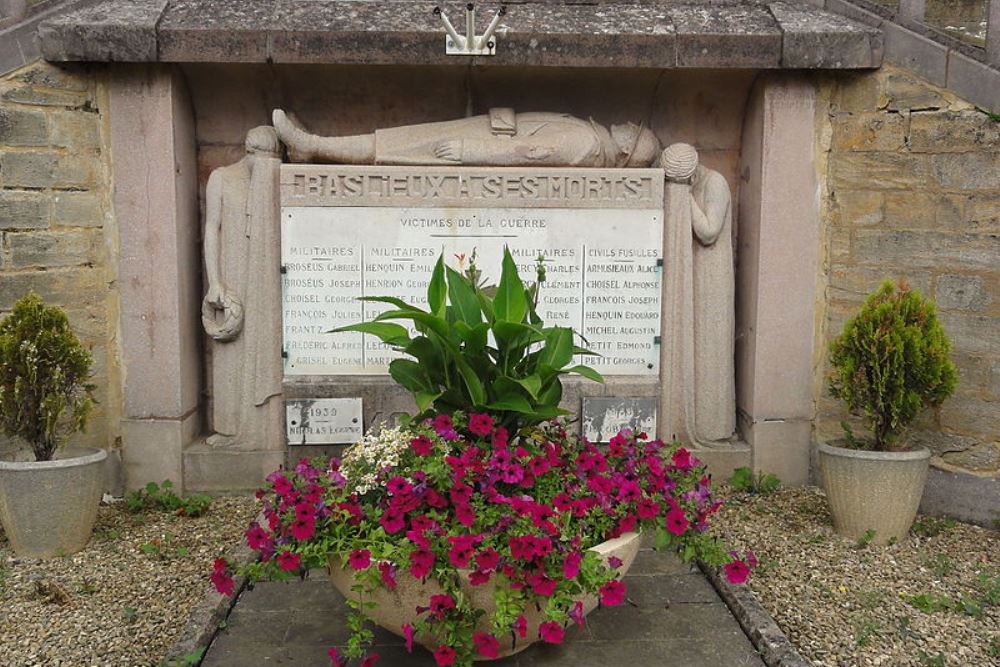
point(602, 257)
point(324, 421)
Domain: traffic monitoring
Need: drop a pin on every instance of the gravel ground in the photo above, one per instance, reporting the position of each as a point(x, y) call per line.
point(846, 604)
point(113, 604)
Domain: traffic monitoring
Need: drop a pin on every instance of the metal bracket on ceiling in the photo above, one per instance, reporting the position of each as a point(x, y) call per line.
point(470, 44)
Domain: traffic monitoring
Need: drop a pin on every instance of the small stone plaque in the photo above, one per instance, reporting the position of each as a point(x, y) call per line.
point(603, 418)
point(324, 421)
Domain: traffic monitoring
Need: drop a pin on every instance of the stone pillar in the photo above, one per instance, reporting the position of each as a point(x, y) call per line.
point(159, 267)
point(779, 246)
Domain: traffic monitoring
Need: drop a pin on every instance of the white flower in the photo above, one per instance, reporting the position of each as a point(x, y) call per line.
point(366, 462)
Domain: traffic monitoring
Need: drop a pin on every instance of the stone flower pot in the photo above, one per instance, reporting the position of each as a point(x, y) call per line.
point(48, 508)
point(398, 606)
point(877, 491)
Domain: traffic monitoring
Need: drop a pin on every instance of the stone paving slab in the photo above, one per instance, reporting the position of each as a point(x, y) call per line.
point(674, 617)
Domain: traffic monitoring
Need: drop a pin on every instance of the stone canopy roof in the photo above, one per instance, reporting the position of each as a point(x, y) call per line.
point(599, 33)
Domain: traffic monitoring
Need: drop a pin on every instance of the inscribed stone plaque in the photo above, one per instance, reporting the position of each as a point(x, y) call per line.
point(349, 232)
point(324, 421)
point(604, 418)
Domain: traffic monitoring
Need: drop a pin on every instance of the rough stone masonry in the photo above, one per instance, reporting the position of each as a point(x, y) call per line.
point(913, 192)
point(56, 236)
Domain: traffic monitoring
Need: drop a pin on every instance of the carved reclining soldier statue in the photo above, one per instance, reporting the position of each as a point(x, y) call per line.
point(501, 138)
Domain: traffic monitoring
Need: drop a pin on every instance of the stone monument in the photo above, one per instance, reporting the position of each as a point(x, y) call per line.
point(500, 138)
point(241, 310)
point(701, 299)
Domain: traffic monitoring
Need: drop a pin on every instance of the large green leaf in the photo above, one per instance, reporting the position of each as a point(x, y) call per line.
point(510, 304)
point(585, 371)
point(425, 399)
point(437, 289)
point(430, 357)
point(393, 334)
point(399, 303)
point(513, 403)
point(531, 383)
point(546, 413)
point(475, 338)
point(410, 375)
point(558, 350)
point(472, 382)
point(463, 299)
point(486, 305)
point(435, 324)
point(551, 392)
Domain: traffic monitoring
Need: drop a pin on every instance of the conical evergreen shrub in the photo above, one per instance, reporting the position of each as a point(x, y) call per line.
point(890, 363)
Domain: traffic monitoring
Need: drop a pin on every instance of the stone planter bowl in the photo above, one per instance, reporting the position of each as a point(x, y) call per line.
point(48, 508)
point(398, 606)
point(877, 491)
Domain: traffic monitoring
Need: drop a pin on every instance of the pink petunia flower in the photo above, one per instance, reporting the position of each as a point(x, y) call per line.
point(444, 656)
point(289, 561)
point(335, 657)
point(281, 485)
point(571, 564)
point(520, 626)
point(369, 660)
point(542, 584)
point(421, 562)
point(486, 645)
point(576, 613)
point(465, 515)
point(422, 445)
point(488, 559)
point(398, 486)
point(737, 571)
point(221, 578)
point(551, 632)
point(387, 571)
point(441, 604)
point(682, 459)
point(408, 637)
point(480, 424)
point(257, 537)
point(612, 593)
point(303, 529)
point(499, 438)
point(360, 559)
point(461, 494)
point(393, 521)
point(677, 522)
point(648, 508)
point(478, 577)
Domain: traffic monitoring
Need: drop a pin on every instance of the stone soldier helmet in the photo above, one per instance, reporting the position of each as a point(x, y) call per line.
point(638, 144)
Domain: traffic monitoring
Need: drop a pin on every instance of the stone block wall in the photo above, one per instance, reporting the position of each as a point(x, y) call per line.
point(56, 236)
point(912, 191)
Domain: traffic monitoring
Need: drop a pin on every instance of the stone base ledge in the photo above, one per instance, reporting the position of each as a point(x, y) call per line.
point(613, 33)
point(962, 495)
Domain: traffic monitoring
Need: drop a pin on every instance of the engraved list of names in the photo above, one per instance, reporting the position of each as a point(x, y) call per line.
point(349, 232)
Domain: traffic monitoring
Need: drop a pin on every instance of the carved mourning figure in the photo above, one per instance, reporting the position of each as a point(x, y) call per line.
point(500, 138)
point(713, 300)
point(241, 311)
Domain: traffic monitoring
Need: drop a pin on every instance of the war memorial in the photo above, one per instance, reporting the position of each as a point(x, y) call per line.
point(705, 192)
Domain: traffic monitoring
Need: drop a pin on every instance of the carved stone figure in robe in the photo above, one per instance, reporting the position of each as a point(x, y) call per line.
point(712, 282)
point(241, 310)
point(500, 138)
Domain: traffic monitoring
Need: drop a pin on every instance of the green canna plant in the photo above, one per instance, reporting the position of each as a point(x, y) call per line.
point(891, 362)
point(456, 365)
point(44, 371)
